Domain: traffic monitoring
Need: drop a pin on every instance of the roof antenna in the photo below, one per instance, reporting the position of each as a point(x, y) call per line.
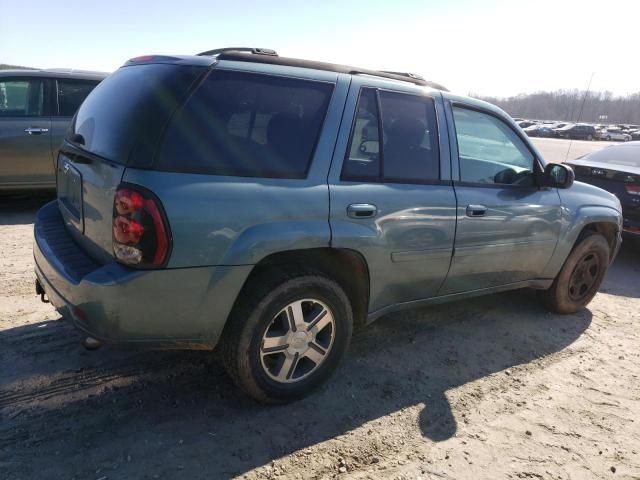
point(586, 94)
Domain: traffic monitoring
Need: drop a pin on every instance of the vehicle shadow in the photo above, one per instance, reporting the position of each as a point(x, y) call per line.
point(135, 414)
point(622, 276)
point(21, 209)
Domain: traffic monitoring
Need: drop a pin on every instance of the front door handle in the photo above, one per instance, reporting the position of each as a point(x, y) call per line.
point(362, 210)
point(476, 210)
point(35, 130)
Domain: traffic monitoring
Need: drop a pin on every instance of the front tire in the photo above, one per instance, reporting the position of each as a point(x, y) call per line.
point(580, 278)
point(288, 335)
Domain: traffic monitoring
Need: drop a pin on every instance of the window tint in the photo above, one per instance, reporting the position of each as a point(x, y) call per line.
point(410, 150)
point(71, 93)
point(410, 147)
point(246, 124)
point(363, 161)
point(21, 98)
point(490, 151)
point(125, 115)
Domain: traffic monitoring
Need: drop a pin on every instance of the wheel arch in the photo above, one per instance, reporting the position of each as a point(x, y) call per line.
point(598, 219)
point(609, 230)
point(347, 267)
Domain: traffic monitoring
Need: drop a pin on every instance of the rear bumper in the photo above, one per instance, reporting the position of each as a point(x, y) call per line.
point(185, 307)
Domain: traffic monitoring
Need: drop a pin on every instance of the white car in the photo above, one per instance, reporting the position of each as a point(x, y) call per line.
point(614, 134)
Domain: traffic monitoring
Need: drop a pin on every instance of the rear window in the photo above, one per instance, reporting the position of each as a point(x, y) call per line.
point(246, 124)
point(627, 155)
point(124, 117)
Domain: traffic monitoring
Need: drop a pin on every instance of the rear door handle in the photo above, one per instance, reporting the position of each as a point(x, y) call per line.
point(362, 210)
point(476, 210)
point(35, 130)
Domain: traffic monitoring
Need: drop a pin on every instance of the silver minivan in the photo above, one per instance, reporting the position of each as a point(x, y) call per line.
point(36, 107)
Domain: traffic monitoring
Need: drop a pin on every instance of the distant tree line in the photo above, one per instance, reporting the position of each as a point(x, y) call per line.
point(4, 66)
point(567, 105)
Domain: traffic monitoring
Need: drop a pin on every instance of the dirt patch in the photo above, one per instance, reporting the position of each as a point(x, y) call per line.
point(494, 387)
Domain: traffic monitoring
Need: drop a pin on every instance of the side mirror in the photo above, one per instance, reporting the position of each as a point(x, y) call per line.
point(558, 175)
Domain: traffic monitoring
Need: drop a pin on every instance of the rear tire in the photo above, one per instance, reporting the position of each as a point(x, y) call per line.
point(287, 335)
point(580, 277)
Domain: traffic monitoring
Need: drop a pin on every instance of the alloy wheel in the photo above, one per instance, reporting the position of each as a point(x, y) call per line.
point(297, 341)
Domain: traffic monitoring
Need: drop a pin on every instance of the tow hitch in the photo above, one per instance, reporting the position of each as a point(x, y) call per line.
point(40, 291)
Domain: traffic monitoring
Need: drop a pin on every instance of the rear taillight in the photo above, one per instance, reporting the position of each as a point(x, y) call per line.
point(632, 189)
point(140, 232)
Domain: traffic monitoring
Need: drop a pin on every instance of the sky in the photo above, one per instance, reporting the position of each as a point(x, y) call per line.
point(491, 47)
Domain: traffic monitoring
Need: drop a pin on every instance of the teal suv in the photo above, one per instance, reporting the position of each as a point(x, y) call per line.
point(270, 204)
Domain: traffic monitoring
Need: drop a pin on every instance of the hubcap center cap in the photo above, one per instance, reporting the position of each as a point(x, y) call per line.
point(299, 341)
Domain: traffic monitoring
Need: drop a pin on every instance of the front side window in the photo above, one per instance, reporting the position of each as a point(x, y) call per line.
point(246, 124)
point(21, 98)
point(409, 152)
point(71, 94)
point(490, 151)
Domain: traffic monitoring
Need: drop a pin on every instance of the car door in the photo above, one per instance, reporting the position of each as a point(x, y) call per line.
point(507, 227)
point(25, 124)
point(390, 190)
point(69, 95)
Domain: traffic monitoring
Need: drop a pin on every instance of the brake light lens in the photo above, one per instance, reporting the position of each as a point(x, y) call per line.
point(632, 189)
point(141, 235)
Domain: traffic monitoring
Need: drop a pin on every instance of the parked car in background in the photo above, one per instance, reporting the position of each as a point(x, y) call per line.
point(36, 107)
point(635, 134)
point(270, 204)
point(526, 123)
point(613, 133)
point(616, 169)
point(576, 132)
point(540, 131)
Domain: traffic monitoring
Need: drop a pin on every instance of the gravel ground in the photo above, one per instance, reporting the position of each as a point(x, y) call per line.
point(489, 388)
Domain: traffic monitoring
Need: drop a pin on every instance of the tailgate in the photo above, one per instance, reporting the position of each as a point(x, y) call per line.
point(119, 124)
point(86, 188)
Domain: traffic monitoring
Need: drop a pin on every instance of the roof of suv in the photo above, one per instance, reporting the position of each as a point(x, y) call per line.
point(55, 73)
point(268, 56)
point(271, 57)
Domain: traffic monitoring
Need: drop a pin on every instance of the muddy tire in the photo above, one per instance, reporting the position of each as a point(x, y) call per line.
point(580, 277)
point(287, 335)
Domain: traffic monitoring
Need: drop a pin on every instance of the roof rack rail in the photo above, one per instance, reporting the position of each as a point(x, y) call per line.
point(404, 74)
point(267, 56)
point(255, 51)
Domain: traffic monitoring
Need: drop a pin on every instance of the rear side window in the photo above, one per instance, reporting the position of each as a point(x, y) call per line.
point(21, 98)
point(246, 124)
point(409, 153)
point(71, 94)
point(125, 115)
